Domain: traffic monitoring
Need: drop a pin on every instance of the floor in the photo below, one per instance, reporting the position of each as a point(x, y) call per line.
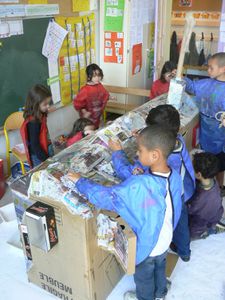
point(202, 278)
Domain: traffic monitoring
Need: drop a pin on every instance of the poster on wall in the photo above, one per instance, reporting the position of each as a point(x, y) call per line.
point(114, 12)
point(136, 58)
point(185, 3)
point(113, 47)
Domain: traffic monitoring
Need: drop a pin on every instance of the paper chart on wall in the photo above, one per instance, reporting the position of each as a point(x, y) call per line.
point(114, 14)
point(37, 1)
point(54, 38)
point(9, 1)
point(9, 28)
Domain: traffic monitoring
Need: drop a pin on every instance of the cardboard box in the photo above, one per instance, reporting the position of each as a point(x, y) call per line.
point(76, 268)
point(41, 223)
point(188, 132)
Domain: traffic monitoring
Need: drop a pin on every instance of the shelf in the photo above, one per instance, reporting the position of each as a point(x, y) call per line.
point(207, 23)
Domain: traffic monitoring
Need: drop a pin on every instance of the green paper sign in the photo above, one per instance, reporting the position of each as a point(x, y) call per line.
point(114, 12)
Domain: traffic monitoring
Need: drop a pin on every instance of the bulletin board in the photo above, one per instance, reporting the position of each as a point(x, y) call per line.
point(77, 52)
point(199, 5)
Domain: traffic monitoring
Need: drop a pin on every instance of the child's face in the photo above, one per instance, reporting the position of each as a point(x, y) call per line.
point(44, 105)
point(96, 78)
point(214, 70)
point(146, 157)
point(89, 129)
point(169, 75)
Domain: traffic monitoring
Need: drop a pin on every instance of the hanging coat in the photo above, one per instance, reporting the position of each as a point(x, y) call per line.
point(139, 200)
point(173, 48)
point(193, 56)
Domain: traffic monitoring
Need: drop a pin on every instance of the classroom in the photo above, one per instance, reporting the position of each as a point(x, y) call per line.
point(112, 149)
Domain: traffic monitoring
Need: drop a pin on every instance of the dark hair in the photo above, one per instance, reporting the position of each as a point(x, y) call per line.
point(91, 70)
point(154, 136)
point(36, 95)
point(207, 164)
point(79, 125)
point(169, 66)
point(220, 57)
point(164, 116)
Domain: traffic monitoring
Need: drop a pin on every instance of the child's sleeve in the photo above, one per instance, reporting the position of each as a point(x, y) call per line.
point(113, 198)
point(81, 99)
point(123, 168)
point(196, 87)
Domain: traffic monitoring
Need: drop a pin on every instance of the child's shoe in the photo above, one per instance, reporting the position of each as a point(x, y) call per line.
point(131, 295)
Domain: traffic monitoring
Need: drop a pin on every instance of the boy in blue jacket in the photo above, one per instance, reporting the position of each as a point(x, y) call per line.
point(210, 95)
point(149, 200)
point(167, 116)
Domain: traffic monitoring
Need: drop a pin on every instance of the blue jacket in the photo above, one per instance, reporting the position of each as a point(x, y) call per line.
point(139, 200)
point(210, 97)
point(175, 160)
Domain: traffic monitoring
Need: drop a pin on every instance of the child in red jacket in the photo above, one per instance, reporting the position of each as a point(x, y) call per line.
point(161, 86)
point(81, 128)
point(92, 98)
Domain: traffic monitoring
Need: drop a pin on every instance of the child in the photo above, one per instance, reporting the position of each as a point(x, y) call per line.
point(210, 96)
point(149, 202)
point(167, 116)
point(34, 129)
point(92, 98)
point(205, 207)
point(161, 86)
point(81, 128)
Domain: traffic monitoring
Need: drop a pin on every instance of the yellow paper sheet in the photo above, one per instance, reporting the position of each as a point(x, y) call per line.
point(81, 5)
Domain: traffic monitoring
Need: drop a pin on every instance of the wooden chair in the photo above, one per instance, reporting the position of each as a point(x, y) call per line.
point(14, 122)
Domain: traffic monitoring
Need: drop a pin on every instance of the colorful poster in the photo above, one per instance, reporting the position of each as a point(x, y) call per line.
point(136, 58)
point(114, 12)
point(113, 47)
point(81, 5)
point(185, 3)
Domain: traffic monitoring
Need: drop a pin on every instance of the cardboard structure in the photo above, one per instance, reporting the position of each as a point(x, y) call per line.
point(70, 265)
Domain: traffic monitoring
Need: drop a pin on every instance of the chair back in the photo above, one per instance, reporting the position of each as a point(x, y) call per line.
point(14, 121)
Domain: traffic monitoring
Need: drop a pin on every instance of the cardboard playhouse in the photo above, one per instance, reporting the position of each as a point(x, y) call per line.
point(65, 252)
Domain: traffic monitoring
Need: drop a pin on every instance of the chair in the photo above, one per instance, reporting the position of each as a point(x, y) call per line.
point(14, 122)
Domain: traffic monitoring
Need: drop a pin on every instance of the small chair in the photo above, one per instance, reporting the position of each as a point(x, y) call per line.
point(14, 122)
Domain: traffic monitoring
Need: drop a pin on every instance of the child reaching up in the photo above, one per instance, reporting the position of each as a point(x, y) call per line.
point(34, 130)
point(166, 116)
point(210, 97)
point(81, 128)
point(150, 203)
point(205, 207)
point(92, 98)
point(161, 86)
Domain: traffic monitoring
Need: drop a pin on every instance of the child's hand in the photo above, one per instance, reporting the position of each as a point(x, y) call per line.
point(114, 145)
point(73, 176)
point(135, 133)
point(86, 114)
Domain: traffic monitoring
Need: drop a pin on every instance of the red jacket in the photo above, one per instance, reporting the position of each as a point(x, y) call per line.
point(158, 88)
point(93, 98)
point(77, 137)
point(43, 136)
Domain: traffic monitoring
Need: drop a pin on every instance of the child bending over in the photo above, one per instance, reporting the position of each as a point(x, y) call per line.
point(149, 202)
point(81, 128)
